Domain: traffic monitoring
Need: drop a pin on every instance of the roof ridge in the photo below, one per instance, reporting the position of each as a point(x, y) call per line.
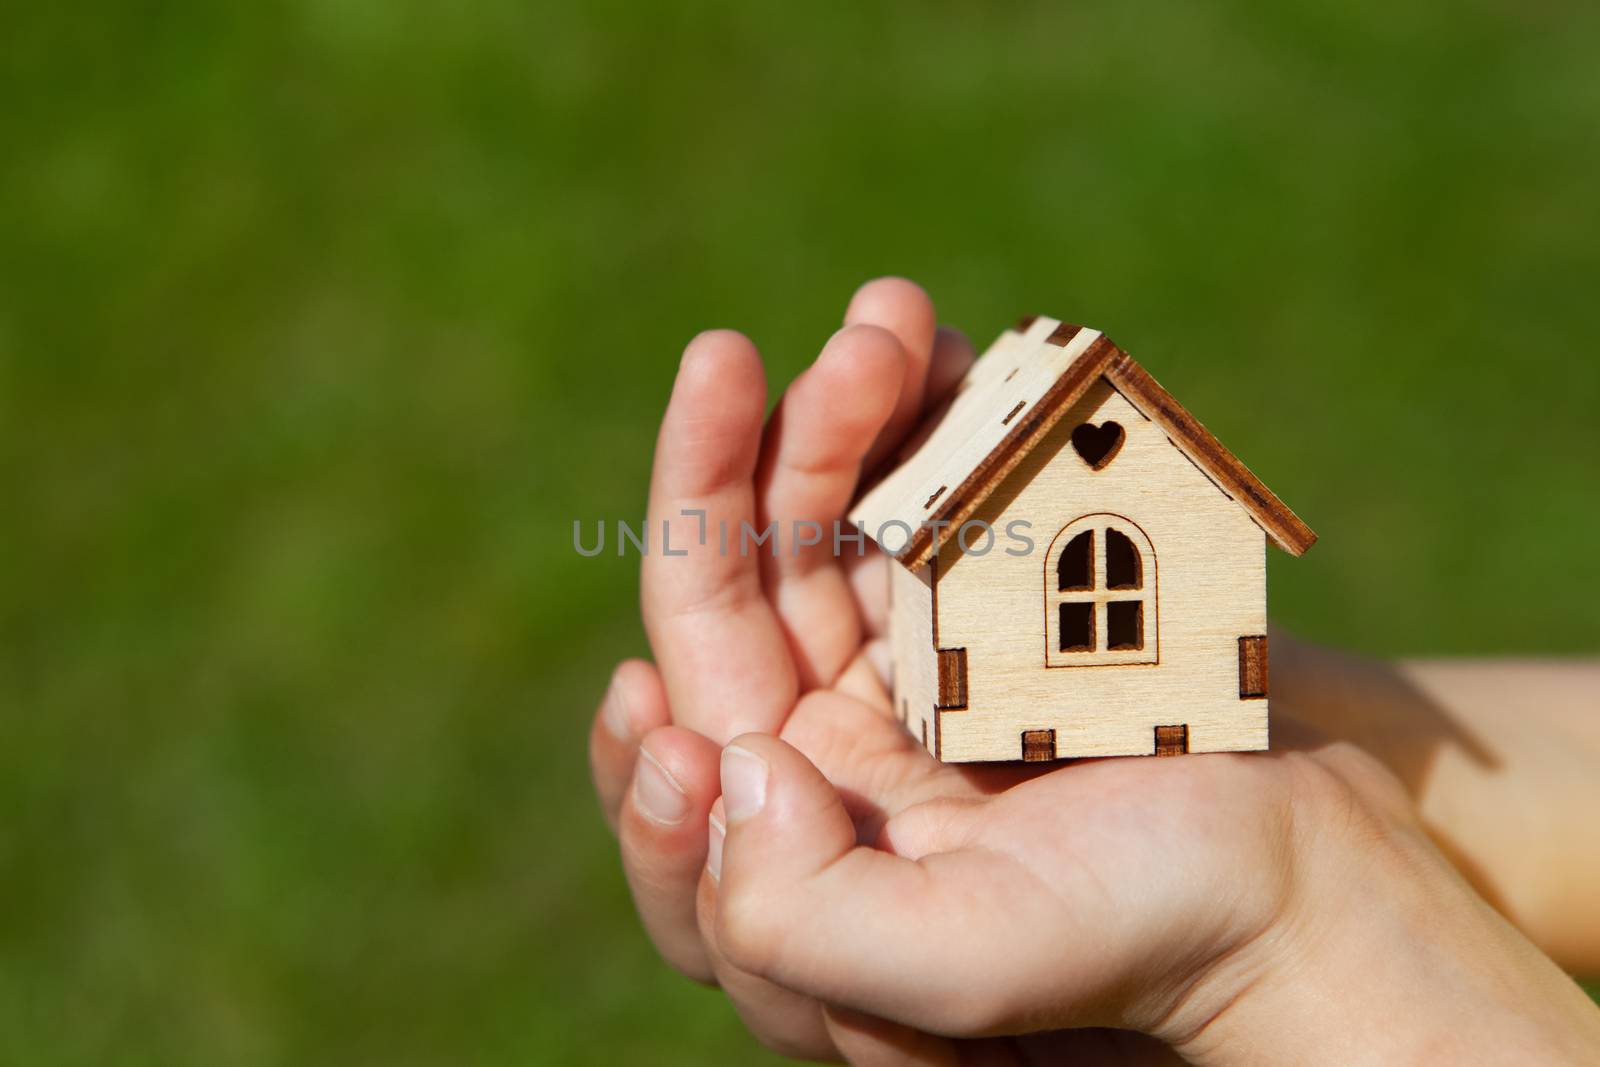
point(1100, 357)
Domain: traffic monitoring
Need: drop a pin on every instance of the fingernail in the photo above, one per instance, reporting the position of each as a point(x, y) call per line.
point(744, 783)
point(614, 712)
point(658, 796)
point(714, 831)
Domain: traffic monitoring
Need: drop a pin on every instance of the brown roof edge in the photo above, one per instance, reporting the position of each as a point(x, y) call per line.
point(1104, 358)
point(976, 487)
point(1282, 525)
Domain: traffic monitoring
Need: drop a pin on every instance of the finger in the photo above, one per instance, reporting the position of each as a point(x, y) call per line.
point(1097, 1047)
point(953, 356)
point(887, 779)
point(869, 581)
point(801, 905)
point(865, 1041)
point(869, 571)
point(904, 309)
point(869, 758)
point(810, 464)
point(635, 703)
point(875, 762)
point(723, 656)
point(878, 769)
point(663, 832)
point(826, 421)
point(781, 1019)
point(869, 678)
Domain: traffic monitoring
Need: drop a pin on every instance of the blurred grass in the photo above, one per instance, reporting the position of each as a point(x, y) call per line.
point(321, 322)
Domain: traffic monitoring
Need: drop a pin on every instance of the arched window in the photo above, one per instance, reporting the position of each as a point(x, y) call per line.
point(1100, 594)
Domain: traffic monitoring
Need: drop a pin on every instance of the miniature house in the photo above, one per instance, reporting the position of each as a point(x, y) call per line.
point(1082, 565)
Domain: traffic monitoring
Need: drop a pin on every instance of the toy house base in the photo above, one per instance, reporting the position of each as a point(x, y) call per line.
point(1098, 587)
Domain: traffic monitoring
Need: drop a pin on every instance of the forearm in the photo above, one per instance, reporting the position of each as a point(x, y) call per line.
point(1501, 759)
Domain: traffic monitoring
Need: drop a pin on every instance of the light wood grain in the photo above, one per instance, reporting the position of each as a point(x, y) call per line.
point(1206, 583)
point(916, 687)
point(991, 655)
point(1034, 375)
point(1018, 369)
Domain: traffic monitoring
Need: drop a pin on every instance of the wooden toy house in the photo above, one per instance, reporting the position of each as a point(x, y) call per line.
point(1082, 565)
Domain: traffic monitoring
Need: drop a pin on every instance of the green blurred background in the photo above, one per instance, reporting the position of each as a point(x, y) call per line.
point(320, 323)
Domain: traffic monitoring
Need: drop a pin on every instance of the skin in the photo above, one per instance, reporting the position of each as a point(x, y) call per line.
point(858, 900)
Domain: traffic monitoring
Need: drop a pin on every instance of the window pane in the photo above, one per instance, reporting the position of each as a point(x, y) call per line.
point(1123, 570)
point(1077, 627)
point(1125, 625)
point(1075, 568)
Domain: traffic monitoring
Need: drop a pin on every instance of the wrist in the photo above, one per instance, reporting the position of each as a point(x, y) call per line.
point(1380, 953)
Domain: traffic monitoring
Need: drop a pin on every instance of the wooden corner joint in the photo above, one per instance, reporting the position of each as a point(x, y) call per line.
point(1253, 667)
point(1172, 740)
point(1038, 746)
point(952, 679)
point(1063, 334)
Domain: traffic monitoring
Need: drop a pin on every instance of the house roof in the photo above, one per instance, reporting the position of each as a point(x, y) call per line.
point(1010, 399)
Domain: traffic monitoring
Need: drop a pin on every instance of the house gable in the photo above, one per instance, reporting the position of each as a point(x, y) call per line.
point(1202, 588)
point(1009, 403)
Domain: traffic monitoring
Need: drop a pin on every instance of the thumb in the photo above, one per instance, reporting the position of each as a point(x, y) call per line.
point(785, 822)
point(801, 904)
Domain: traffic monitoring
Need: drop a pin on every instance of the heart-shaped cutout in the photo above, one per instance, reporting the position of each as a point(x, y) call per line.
point(1098, 445)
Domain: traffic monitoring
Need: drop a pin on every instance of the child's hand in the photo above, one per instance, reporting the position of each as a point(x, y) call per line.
point(660, 795)
point(1168, 879)
point(740, 636)
point(740, 628)
point(1282, 908)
